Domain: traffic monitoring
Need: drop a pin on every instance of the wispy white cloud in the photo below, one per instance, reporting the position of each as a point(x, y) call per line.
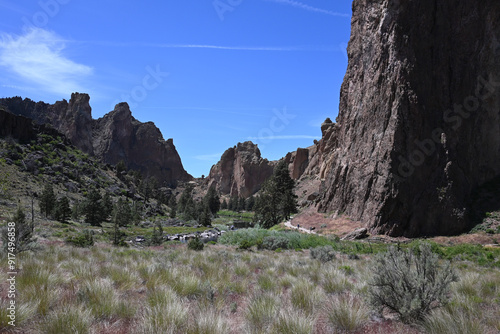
point(37, 59)
point(209, 157)
point(309, 8)
point(216, 47)
point(284, 137)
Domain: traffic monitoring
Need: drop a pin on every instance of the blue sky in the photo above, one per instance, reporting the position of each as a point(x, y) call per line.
point(208, 73)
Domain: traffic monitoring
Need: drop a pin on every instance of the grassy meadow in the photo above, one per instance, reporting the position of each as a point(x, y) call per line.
point(222, 289)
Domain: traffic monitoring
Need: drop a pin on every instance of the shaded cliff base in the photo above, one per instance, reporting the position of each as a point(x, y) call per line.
point(340, 225)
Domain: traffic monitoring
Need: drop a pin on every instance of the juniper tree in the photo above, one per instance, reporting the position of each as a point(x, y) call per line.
point(121, 214)
point(107, 206)
point(276, 201)
point(18, 236)
point(212, 200)
point(47, 200)
point(62, 210)
point(93, 209)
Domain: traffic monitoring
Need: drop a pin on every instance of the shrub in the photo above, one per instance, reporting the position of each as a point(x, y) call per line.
point(323, 253)
point(195, 244)
point(84, 239)
point(410, 283)
point(245, 244)
point(275, 242)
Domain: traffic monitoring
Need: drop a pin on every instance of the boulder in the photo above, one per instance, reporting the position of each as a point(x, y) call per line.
point(360, 233)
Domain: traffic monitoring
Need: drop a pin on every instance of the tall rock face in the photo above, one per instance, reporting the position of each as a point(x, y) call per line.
point(418, 129)
point(119, 136)
point(116, 136)
point(240, 171)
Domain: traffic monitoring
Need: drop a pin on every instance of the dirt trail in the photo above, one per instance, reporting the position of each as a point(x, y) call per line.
point(301, 229)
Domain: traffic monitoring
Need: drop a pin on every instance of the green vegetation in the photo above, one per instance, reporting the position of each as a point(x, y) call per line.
point(195, 244)
point(18, 236)
point(62, 210)
point(84, 239)
point(323, 253)
point(410, 283)
point(93, 209)
point(47, 200)
point(218, 289)
point(276, 201)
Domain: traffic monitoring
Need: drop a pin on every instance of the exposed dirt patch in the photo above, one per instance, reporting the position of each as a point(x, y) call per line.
point(325, 224)
point(475, 238)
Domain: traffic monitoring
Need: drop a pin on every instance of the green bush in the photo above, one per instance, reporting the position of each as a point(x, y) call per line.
point(195, 244)
point(245, 244)
point(275, 242)
point(410, 283)
point(84, 239)
point(323, 253)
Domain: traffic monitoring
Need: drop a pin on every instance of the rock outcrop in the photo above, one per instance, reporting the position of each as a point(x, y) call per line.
point(116, 136)
point(119, 136)
point(315, 160)
point(21, 128)
point(240, 171)
point(419, 123)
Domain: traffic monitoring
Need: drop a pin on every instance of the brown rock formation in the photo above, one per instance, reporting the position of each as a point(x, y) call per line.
point(23, 128)
point(418, 128)
point(114, 137)
point(241, 171)
point(74, 119)
point(119, 136)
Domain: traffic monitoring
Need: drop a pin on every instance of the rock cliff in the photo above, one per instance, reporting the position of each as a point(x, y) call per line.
point(119, 136)
point(116, 136)
point(418, 128)
point(241, 171)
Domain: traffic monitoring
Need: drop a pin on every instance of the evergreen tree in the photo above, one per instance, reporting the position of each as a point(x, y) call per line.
point(148, 188)
point(212, 200)
point(157, 236)
point(223, 205)
point(47, 200)
point(277, 200)
point(120, 168)
point(93, 210)
point(62, 210)
point(136, 213)
point(249, 203)
point(206, 217)
point(185, 198)
point(76, 211)
point(18, 236)
point(107, 206)
point(122, 214)
point(191, 210)
point(172, 203)
point(233, 203)
point(241, 204)
point(284, 186)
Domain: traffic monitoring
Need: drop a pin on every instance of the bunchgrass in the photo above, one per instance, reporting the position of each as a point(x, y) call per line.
point(225, 290)
point(292, 322)
point(75, 320)
point(347, 313)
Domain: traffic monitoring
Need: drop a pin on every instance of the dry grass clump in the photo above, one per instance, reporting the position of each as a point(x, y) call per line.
point(74, 320)
point(292, 322)
point(347, 313)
